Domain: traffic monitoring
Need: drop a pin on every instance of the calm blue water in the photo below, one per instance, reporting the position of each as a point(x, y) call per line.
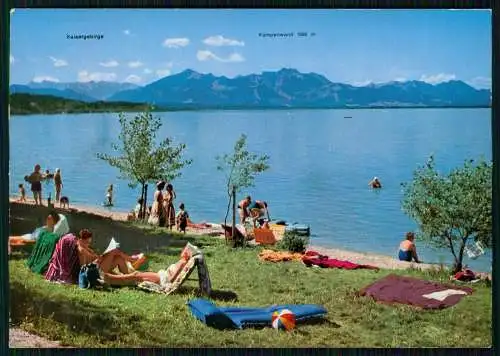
point(321, 163)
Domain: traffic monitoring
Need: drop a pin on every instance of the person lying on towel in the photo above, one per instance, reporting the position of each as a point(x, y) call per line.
point(60, 228)
point(107, 262)
point(408, 250)
point(45, 245)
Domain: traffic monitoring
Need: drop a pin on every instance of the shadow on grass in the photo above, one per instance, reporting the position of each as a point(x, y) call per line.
point(80, 317)
point(220, 295)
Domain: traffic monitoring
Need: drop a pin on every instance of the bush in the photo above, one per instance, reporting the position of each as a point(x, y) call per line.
point(294, 242)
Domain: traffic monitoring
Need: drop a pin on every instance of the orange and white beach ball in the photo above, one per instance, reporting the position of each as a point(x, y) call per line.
point(283, 319)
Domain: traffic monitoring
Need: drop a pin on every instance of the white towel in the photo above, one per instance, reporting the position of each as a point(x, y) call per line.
point(441, 296)
point(62, 226)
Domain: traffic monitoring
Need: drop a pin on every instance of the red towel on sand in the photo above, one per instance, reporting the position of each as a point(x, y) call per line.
point(64, 265)
point(312, 258)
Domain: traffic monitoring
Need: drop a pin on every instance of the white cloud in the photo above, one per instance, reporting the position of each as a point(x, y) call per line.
point(133, 79)
point(135, 64)
point(12, 59)
point(362, 84)
point(219, 41)
point(126, 32)
point(109, 64)
point(163, 73)
point(480, 82)
point(176, 42)
point(438, 78)
point(58, 62)
point(147, 71)
point(44, 78)
point(85, 76)
point(207, 55)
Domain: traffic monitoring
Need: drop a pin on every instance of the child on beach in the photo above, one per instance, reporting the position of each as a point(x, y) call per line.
point(182, 219)
point(22, 193)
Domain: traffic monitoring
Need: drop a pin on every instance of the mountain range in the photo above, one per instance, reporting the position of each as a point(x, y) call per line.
point(285, 88)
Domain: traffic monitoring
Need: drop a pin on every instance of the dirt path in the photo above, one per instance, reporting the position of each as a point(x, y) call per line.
point(19, 338)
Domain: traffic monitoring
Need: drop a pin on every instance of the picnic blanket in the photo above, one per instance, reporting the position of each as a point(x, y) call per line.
point(42, 252)
point(416, 292)
point(312, 258)
point(279, 256)
point(241, 317)
point(64, 264)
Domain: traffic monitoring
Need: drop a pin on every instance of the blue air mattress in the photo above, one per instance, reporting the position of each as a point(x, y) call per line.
point(241, 317)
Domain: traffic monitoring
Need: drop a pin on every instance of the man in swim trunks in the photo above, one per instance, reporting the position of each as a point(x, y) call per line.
point(408, 250)
point(35, 179)
point(243, 209)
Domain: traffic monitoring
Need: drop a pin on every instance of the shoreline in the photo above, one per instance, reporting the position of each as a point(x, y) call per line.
point(366, 258)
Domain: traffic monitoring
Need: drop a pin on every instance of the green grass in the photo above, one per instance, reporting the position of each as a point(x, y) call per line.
point(129, 317)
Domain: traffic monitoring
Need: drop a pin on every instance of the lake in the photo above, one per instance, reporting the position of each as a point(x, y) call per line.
point(321, 163)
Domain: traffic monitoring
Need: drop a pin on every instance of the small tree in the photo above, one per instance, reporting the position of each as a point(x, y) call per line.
point(240, 167)
point(139, 158)
point(452, 210)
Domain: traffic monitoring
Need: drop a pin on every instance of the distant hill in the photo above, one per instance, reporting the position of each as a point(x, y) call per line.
point(23, 104)
point(290, 88)
point(286, 88)
point(87, 91)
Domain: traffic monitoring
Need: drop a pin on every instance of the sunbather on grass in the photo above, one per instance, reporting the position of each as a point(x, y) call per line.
point(408, 250)
point(107, 262)
point(44, 246)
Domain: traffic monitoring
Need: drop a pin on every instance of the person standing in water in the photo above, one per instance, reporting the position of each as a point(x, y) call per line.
point(375, 183)
point(58, 184)
point(109, 195)
point(35, 179)
point(168, 202)
point(407, 249)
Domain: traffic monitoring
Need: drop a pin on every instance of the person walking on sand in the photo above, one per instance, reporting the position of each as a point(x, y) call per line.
point(22, 194)
point(182, 219)
point(243, 208)
point(35, 179)
point(58, 184)
point(109, 195)
point(407, 249)
point(168, 202)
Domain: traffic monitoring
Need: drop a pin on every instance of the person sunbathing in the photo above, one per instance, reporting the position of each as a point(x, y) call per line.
point(108, 261)
point(45, 245)
point(408, 250)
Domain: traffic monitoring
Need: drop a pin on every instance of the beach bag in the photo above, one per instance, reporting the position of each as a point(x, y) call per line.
point(89, 276)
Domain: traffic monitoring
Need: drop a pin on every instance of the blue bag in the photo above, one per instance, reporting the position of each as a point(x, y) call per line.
point(89, 276)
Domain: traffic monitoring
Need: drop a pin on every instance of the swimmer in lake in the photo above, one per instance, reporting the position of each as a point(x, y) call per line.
point(375, 183)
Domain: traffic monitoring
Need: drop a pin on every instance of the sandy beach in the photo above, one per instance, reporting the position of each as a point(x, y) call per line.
point(381, 261)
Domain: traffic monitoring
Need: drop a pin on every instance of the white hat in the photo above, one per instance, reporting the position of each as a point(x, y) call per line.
point(58, 170)
point(375, 178)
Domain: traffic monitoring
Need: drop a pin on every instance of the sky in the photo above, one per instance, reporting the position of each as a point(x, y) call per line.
point(348, 46)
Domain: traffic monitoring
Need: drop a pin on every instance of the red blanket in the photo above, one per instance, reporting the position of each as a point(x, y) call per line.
point(64, 264)
point(412, 291)
point(312, 258)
